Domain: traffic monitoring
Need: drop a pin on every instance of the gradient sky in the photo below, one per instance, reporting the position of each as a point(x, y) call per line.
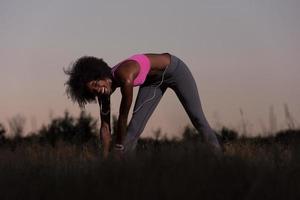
point(243, 55)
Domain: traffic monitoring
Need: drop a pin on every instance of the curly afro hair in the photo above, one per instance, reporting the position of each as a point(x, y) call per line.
point(85, 69)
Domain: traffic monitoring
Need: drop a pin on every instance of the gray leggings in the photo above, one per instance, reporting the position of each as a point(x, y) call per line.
point(179, 78)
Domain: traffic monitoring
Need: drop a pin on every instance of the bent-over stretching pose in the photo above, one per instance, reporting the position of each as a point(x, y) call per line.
point(90, 78)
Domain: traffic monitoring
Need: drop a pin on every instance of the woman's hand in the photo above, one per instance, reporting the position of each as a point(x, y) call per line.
point(119, 151)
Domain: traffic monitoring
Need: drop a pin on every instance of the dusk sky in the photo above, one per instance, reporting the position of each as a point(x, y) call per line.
point(244, 54)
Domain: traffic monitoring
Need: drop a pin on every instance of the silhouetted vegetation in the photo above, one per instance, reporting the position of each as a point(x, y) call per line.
point(63, 160)
point(2, 133)
point(70, 130)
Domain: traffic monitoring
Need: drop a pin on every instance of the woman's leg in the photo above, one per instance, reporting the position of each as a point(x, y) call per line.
point(142, 111)
point(186, 90)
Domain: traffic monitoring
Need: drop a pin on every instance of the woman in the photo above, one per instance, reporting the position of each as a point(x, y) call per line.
point(92, 78)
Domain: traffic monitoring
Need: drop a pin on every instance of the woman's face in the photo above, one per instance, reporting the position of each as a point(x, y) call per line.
point(102, 87)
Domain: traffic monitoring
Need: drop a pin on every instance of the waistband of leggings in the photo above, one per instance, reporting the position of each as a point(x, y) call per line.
point(173, 64)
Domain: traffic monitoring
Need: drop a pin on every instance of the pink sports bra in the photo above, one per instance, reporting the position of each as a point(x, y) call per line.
point(144, 64)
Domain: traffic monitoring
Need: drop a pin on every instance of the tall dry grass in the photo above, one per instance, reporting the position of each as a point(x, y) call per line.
point(161, 169)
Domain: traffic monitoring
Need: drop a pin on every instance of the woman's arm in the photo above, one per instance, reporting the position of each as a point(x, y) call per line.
point(105, 128)
point(127, 95)
point(126, 73)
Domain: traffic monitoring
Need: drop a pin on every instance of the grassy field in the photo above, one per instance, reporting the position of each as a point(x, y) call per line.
point(251, 168)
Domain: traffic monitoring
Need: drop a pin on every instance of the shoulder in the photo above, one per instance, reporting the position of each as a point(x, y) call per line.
point(127, 71)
